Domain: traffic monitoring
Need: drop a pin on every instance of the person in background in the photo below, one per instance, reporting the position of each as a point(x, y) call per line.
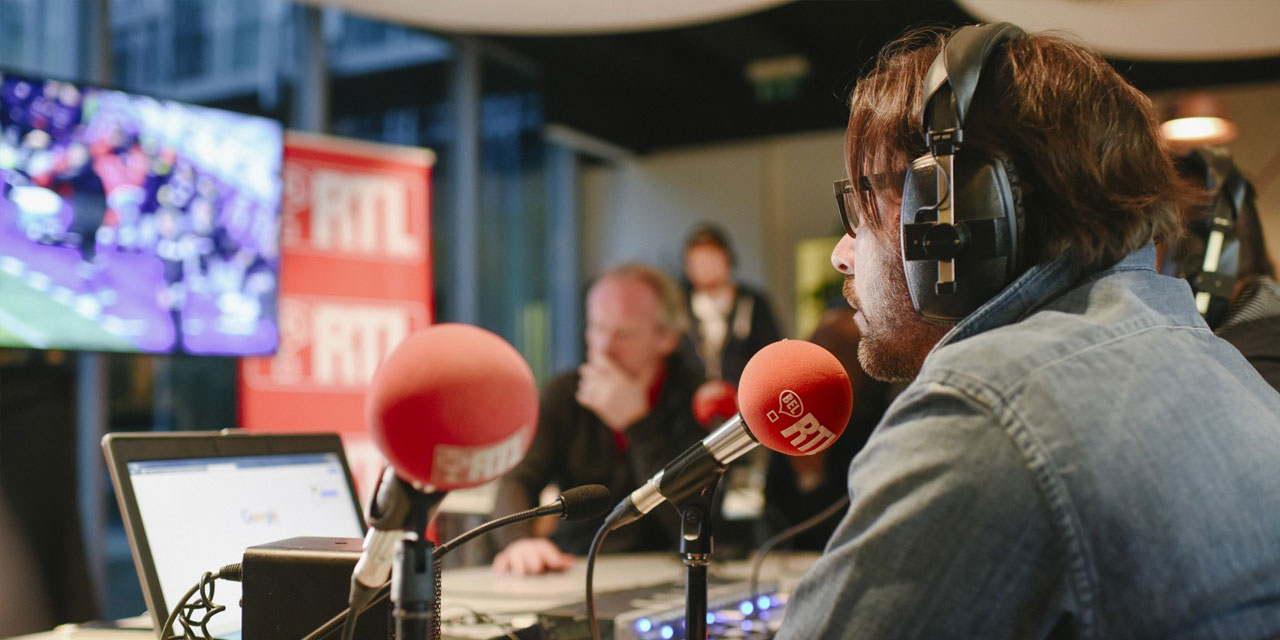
point(22, 589)
point(44, 553)
point(731, 320)
point(1242, 302)
point(1077, 455)
point(616, 420)
point(800, 487)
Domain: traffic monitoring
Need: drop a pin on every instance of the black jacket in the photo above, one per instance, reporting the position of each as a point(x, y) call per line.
point(573, 447)
point(1252, 325)
point(752, 326)
point(1259, 341)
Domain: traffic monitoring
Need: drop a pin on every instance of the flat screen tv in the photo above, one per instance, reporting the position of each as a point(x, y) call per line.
point(129, 223)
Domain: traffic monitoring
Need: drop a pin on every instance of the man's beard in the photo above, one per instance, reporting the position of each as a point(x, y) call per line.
point(896, 339)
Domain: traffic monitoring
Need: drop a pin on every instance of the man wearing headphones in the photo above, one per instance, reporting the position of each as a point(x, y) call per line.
point(1078, 456)
point(1224, 257)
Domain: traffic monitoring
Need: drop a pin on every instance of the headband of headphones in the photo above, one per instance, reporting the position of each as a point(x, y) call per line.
point(952, 79)
point(961, 211)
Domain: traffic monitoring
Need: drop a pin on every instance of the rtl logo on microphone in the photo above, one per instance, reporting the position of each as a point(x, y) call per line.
point(806, 433)
point(459, 466)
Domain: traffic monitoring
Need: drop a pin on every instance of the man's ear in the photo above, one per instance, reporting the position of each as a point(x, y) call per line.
point(668, 340)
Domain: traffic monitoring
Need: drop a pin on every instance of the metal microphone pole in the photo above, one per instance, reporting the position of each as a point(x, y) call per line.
point(413, 576)
point(696, 546)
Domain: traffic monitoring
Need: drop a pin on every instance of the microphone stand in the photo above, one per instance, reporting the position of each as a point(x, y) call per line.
point(402, 512)
point(696, 544)
point(413, 575)
point(583, 505)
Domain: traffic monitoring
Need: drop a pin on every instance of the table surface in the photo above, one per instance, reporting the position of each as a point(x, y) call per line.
point(515, 600)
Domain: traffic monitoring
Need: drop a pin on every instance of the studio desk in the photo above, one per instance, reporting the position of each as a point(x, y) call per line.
point(638, 596)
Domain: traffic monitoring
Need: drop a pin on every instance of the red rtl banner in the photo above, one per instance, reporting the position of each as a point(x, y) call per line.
point(355, 280)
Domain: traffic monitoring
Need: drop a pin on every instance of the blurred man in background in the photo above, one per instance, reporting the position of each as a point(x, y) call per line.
point(21, 585)
point(798, 488)
point(731, 320)
point(616, 420)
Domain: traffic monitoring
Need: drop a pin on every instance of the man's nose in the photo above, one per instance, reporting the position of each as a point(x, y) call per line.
point(607, 342)
point(842, 255)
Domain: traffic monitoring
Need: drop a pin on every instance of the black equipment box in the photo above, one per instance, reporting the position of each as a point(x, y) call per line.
point(293, 586)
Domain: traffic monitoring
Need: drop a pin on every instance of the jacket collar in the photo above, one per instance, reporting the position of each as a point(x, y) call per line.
point(1038, 286)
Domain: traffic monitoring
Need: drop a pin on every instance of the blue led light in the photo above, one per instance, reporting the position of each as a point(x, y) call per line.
point(763, 602)
point(746, 607)
point(666, 632)
point(746, 625)
point(711, 618)
point(643, 625)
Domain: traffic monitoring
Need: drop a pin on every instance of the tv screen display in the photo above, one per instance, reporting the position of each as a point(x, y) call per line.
point(129, 223)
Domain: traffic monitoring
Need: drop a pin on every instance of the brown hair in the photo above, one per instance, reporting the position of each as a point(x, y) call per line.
point(706, 233)
point(1097, 180)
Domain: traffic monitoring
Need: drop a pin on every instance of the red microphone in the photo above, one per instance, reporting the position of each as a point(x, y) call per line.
point(714, 402)
point(795, 398)
point(453, 406)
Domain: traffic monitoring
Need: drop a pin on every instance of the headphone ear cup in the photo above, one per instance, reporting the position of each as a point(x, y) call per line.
point(1208, 256)
point(919, 206)
point(986, 196)
point(1220, 262)
point(981, 236)
point(920, 191)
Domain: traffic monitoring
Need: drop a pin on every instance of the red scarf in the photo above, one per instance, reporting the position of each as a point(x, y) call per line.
point(655, 390)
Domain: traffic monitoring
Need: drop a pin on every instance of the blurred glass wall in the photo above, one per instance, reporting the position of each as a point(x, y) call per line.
point(317, 69)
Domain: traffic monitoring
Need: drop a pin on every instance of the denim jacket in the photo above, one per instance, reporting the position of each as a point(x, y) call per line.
point(1078, 458)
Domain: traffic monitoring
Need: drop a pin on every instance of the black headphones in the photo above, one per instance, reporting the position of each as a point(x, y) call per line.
point(1213, 265)
point(961, 217)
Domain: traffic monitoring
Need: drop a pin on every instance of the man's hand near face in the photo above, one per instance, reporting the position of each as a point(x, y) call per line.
point(530, 557)
point(617, 398)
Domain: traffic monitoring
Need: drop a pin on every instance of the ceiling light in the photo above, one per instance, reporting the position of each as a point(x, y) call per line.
point(1198, 119)
point(1202, 130)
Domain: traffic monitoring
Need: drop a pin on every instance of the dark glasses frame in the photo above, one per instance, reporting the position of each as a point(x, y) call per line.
point(848, 214)
point(845, 194)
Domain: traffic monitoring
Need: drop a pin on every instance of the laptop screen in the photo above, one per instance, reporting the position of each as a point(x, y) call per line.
point(202, 513)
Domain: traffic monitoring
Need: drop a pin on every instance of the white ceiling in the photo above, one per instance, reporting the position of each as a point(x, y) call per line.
point(1172, 30)
point(548, 17)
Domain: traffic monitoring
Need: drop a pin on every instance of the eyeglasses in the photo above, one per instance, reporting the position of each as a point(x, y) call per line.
point(845, 196)
point(848, 214)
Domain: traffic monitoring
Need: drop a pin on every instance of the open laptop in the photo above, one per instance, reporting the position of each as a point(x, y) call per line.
point(194, 501)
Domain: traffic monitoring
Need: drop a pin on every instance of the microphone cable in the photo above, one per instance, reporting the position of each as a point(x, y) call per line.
point(757, 561)
point(596, 543)
point(183, 611)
